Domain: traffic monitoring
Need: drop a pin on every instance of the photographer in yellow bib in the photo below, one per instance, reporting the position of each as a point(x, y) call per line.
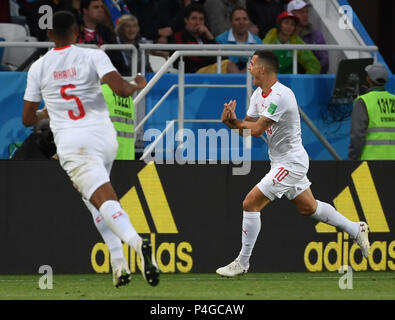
point(121, 111)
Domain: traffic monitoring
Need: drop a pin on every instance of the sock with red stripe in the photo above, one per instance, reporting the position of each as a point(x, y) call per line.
point(118, 221)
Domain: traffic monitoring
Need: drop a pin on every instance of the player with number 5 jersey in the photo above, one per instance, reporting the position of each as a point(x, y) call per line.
point(68, 79)
point(273, 109)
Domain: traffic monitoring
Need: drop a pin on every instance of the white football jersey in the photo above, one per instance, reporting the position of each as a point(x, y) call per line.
point(68, 79)
point(284, 136)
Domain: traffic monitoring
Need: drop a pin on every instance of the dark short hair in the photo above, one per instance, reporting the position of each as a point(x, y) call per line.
point(84, 4)
point(269, 59)
point(194, 8)
point(63, 23)
point(237, 9)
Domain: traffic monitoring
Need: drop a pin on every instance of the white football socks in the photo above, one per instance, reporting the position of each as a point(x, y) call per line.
point(113, 243)
point(328, 214)
point(118, 221)
point(250, 229)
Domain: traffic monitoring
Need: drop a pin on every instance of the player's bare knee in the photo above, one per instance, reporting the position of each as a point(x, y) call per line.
point(249, 205)
point(307, 210)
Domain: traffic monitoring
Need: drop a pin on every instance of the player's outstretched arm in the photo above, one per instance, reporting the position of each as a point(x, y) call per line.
point(121, 87)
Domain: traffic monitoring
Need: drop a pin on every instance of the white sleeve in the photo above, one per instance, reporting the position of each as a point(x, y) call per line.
point(33, 91)
point(252, 109)
point(102, 63)
point(275, 109)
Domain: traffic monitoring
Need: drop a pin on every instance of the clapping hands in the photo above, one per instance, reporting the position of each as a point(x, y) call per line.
point(229, 113)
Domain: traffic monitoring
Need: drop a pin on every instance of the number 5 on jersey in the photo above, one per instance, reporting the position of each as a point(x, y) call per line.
point(77, 100)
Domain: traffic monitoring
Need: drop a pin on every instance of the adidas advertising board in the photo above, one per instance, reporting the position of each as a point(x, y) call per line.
point(193, 214)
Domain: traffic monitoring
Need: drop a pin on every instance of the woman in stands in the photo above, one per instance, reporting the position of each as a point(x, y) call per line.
point(284, 33)
point(128, 32)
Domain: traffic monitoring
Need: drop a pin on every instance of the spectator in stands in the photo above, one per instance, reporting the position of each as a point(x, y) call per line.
point(285, 33)
point(128, 32)
point(196, 32)
point(94, 31)
point(33, 16)
point(372, 120)
point(263, 14)
point(148, 14)
point(238, 34)
point(218, 14)
point(305, 30)
point(172, 15)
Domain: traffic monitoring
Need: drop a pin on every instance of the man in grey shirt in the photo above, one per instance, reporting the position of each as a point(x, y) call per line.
point(218, 14)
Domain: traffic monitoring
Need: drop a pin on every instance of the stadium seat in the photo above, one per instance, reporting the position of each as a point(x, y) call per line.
point(13, 57)
point(157, 62)
point(12, 31)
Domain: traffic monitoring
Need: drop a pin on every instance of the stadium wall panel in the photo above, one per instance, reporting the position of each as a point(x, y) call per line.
point(193, 215)
point(313, 93)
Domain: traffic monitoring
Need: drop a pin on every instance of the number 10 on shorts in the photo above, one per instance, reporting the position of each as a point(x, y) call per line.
point(281, 174)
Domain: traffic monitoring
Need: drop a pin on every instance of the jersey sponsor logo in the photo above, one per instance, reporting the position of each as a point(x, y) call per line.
point(171, 256)
point(365, 206)
point(272, 108)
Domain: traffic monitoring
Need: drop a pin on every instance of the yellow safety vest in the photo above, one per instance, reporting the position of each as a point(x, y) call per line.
point(122, 116)
point(380, 138)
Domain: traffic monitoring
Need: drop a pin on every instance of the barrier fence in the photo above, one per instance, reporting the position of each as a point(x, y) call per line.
point(207, 50)
point(143, 47)
point(193, 214)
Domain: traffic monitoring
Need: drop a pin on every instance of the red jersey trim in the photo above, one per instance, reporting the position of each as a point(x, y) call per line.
point(266, 95)
point(61, 48)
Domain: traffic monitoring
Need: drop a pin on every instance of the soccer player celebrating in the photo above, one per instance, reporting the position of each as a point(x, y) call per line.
point(68, 79)
point(273, 108)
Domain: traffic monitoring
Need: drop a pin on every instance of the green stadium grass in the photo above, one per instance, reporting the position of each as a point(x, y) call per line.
point(253, 286)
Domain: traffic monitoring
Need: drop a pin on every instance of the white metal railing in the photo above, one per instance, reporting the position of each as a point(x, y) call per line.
point(198, 47)
point(181, 76)
point(170, 125)
point(218, 50)
point(49, 44)
point(125, 47)
point(181, 87)
point(153, 144)
point(248, 47)
point(171, 89)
